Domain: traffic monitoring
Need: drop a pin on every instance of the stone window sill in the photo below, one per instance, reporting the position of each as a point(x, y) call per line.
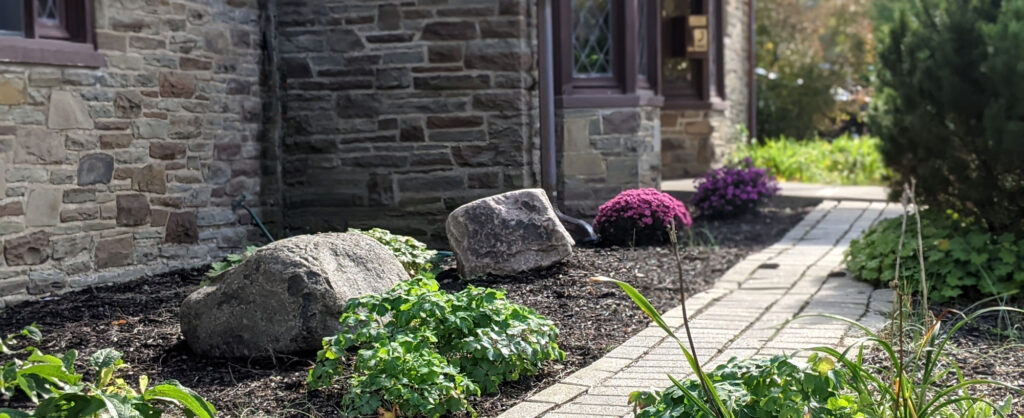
point(590, 101)
point(674, 103)
point(51, 52)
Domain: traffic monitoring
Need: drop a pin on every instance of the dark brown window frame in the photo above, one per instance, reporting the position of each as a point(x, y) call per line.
point(72, 43)
point(711, 94)
point(627, 87)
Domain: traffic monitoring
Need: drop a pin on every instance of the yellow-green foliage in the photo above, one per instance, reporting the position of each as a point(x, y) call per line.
point(844, 160)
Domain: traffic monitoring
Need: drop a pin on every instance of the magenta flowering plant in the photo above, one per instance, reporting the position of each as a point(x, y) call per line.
point(733, 190)
point(640, 217)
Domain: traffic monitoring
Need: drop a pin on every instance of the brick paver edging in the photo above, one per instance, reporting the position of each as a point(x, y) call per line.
point(739, 317)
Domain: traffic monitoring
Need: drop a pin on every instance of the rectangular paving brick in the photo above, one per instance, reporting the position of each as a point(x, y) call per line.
point(528, 409)
point(558, 393)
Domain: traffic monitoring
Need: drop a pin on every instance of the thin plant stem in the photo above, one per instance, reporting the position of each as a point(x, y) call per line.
point(900, 314)
point(686, 319)
point(920, 252)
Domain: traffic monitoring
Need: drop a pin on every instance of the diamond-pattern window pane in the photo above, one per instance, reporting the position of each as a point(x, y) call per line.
point(642, 27)
point(592, 38)
point(48, 11)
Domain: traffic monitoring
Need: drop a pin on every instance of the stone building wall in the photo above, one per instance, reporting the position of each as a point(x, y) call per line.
point(111, 173)
point(693, 141)
point(737, 67)
point(605, 151)
point(395, 113)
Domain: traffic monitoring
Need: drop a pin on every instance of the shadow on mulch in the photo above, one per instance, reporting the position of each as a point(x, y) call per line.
point(140, 318)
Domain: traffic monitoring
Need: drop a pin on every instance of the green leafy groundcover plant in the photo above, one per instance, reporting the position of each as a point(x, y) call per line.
point(229, 262)
point(963, 258)
point(413, 254)
point(436, 349)
point(764, 387)
point(53, 384)
point(844, 160)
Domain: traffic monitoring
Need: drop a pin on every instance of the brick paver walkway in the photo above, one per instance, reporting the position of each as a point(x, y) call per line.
point(739, 317)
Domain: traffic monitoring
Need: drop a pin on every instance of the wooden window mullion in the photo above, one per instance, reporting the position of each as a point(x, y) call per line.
point(628, 34)
point(30, 18)
point(654, 52)
point(705, 93)
point(718, 40)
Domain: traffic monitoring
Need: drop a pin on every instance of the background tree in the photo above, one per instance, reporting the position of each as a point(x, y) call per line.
point(809, 54)
point(950, 104)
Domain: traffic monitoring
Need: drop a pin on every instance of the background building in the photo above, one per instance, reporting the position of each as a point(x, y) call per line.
point(128, 127)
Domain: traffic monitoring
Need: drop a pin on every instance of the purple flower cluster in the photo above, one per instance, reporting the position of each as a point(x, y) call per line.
point(735, 190)
point(639, 217)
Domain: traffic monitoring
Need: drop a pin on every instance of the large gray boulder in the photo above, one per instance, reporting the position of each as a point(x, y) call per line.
point(507, 234)
point(288, 296)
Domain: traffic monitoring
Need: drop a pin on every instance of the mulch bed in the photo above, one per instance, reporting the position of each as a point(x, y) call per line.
point(140, 318)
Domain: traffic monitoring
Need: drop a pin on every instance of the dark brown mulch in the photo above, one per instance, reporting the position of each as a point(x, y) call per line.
point(985, 348)
point(140, 319)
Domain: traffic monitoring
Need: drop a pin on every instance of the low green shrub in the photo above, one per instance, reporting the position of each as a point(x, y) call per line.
point(962, 257)
point(764, 387)
point(843, 160)
point(53, 384)
point(436, 349)
point(413, 254)
point(230, 261)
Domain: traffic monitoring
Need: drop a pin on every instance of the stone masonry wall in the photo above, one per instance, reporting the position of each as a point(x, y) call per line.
point(737, 65)
point(396, 112)
point(111, 173)
point(605, 151)
point(692, 142)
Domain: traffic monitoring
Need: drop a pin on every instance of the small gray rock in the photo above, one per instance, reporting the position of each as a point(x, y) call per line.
point(288, 296)
point(507, 234)
point(95, 169)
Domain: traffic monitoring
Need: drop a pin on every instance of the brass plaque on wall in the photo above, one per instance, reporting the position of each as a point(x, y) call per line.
point(700, 40)
point(698, 21)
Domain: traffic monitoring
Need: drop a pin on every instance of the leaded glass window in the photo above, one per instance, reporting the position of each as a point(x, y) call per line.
point(48, 11)
point(592, 38)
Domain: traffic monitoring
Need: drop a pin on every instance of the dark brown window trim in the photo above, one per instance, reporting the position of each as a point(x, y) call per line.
point(69, 42)
point(708, 92)
point(48, 51)
point(628, 86)
point(686, 103)
point(582, 101)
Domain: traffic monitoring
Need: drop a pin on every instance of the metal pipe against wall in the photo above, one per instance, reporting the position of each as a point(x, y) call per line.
point(548, 169)
point(580, 230)
point(751, 74)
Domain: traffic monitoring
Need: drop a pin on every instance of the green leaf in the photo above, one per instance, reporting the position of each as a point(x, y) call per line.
point(119, 408)
point(104, 359)
point(32, 332)
point(174, 392)
point(10, 413)
point(68, 360)
point(52, 372)
point(70, 405)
